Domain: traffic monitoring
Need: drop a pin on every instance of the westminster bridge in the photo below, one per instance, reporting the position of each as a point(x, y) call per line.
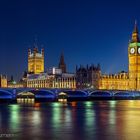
point(54, 94)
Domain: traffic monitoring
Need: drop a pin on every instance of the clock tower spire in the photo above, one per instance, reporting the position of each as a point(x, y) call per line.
point(135, 34)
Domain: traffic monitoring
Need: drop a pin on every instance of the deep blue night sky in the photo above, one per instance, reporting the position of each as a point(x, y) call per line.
point(88, 31)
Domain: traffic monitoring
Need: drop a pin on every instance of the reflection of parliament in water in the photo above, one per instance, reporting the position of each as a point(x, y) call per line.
point(123, 80)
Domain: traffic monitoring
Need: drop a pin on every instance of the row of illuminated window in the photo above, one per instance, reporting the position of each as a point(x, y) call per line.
point(51, 86)
point(71, 84)
point(65, 79)
point(115, 77)
point(115, 83)
point(38, 81)
point(114, 86)
point(39, 85)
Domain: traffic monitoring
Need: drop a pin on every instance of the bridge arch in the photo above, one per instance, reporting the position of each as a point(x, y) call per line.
point(100, 94)
point(124, 94)
point(4, 94)
point(74, 93)
point(43, 94)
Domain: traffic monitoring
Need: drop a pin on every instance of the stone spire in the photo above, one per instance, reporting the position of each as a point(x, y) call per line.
point(62, 64)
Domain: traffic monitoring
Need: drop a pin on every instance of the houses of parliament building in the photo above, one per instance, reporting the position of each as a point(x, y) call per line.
point(54, 77)
point(122, 81)
point(85, 77)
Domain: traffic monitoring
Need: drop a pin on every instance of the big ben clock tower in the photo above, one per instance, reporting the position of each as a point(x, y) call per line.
point(134, 60)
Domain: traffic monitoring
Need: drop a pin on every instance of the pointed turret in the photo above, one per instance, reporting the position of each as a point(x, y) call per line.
point(76, 68)
point(62, 59)
point(98, 67)
point(62, 64)
point(35, 45)
point(135, 34)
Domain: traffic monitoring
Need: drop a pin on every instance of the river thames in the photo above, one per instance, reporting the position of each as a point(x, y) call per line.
point(90, 120)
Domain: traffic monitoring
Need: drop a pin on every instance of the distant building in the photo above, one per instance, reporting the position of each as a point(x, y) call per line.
point(124, 80)
point(45, 80)
point(62, 64)
point(3, 81)
point(88, 77)
point(55, 71)
point(92, 77)
point(54, 78)
point(118, 81)
point(35, 61)
point(13, 84)
point(16, 85)
point(42, 80)
point(66, 80)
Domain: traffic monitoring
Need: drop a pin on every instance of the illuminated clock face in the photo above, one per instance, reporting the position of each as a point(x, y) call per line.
point(132, 50)
point(139, 50)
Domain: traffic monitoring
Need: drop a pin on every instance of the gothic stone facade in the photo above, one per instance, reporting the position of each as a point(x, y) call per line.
point(35, 61)
point(122, 81)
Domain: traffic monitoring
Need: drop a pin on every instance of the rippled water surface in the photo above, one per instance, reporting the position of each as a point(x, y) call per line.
point(101, 120)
